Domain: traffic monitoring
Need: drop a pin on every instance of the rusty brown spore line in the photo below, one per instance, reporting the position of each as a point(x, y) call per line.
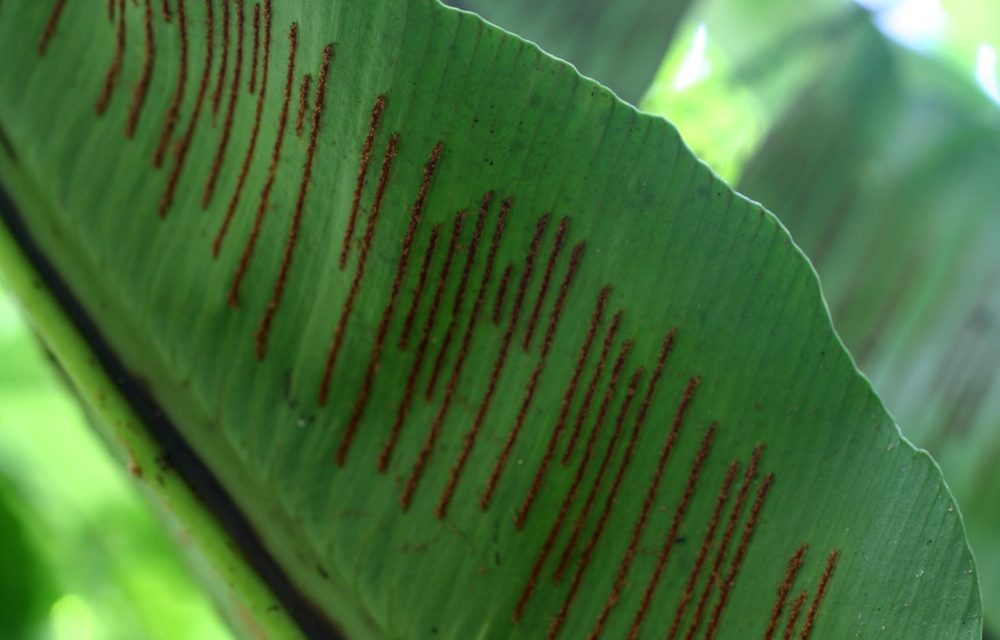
point(588, 395)
point(366, 149)
point(53, 21)
point(300, 116)
point(416, 214)
point(408, 391)
point(117, 61)
point(544, 288)
point(142, 84)
point(434, 433)
point(793, 615)
point(547, 342)
point(588, 551)
point(294, 231)
point(498, 366)
point(595, 485)
point(501, 294)
point(647, 505)
point(272, 172)
point(173, 111)
point(457, 305)
point(689, 586)
point(748, 530)
point(549, 543)
point(255, 49)
point(255, 129)
point(784, 589)
point(727, 535)
point(224, 59)
point(418, 290)
point(671, 538)
point(589, 450)
point(564, 408)
point(821, 589)
point(359, 271)
point(184, 145)
point(588, 504)
point(227, 126)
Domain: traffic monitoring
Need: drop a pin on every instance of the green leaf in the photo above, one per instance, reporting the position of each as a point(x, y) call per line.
point(620, 44)
point(591, 272)
point(885, 171)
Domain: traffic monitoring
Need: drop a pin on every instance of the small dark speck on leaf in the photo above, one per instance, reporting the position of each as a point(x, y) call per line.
point(163, 462)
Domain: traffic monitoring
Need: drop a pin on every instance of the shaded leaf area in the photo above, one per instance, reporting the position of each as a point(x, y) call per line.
point(480, 350)
point(620, 44)
point(26, 591)
point(885, 173)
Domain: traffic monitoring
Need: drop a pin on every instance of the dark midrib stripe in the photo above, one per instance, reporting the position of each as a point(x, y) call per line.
point(306, 614)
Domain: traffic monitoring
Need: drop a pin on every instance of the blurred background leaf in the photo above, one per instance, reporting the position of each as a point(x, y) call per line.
point(26, 591)
point(620, 43)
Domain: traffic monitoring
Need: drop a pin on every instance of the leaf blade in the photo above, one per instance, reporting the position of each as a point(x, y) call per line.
point(259, 424)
